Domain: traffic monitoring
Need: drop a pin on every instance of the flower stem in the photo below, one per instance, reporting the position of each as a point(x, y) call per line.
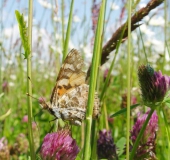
point(29, 88)
point(140, 134)
point(168, 131)
point(128, 81)
point(165, 33)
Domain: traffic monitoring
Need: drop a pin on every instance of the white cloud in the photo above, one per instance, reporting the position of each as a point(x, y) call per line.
point(45, 4)
point(157, 21)
point(57, 19)
point(76, 18)
point(146, 30)
point(114, 6)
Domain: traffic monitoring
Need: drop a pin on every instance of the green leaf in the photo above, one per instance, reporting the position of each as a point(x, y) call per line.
point(78, 158)
point(5, 115)
point(167, 100)
point(23, 33)
point(1, 95)
point(167, 104)
point(123, 110)
point(120, 145)
point(167, 95)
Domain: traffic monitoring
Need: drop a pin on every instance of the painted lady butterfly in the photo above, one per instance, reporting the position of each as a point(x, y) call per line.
point(70, 94)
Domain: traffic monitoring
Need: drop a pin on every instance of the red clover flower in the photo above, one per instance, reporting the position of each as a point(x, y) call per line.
point(146, 146)
point(59, 146)
point(153, 85)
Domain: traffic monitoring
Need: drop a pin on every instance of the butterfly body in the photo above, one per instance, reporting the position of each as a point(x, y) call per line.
point(70, 94)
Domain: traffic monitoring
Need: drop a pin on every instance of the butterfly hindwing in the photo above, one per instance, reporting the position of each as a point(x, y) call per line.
point(70, 94)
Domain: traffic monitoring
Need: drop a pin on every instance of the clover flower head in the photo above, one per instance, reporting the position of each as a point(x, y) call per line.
point(21, 144)
point(105, 145)
point(153, 84)
point(147, 142)
point(59, 146)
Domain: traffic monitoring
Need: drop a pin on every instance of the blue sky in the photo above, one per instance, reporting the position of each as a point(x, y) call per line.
point(43, 15)
point(43, 22)
point(43, 19)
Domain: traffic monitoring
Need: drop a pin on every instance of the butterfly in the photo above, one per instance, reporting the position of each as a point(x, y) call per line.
point(70, 94)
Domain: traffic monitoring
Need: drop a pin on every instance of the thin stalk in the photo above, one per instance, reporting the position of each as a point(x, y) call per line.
point(143, 46)
point(94, 139)
point(111, 66)
point(165, 33)
point(93, 79)
point(94, 122)
point(66, 43)
point(167, 48)
point(62, 21)
point(128, 81)
point(167, 131)
point(1, 25)
point(140, 134)
point(108, 78)
point(29, 88)
point(105, 115)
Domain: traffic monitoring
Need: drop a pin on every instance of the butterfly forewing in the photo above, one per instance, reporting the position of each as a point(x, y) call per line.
point(70, 75)
point(69, 97)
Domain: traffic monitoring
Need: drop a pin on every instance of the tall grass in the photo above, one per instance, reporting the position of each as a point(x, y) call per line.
point(121, 78)
point(93, 79)
point(128, 81)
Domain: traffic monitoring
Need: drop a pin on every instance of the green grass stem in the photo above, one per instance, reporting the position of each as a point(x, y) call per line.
point(143, 46)
point(66, 43)
point(29, 86)
point(93, 79)
point(167, 131)
point(128, 81)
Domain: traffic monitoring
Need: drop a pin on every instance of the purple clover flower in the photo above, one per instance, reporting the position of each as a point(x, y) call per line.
point(105, 145)
point(5, 86)
point(59, 146)
point(146, 146)
point(153, 84)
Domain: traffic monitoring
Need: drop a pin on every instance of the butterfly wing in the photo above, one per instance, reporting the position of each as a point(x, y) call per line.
point(69, 77)
point(73, 105)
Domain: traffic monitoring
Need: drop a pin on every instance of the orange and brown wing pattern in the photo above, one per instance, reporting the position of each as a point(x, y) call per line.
point(70, 75)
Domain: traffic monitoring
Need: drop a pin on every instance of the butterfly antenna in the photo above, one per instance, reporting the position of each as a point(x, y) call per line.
point(32, 96)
